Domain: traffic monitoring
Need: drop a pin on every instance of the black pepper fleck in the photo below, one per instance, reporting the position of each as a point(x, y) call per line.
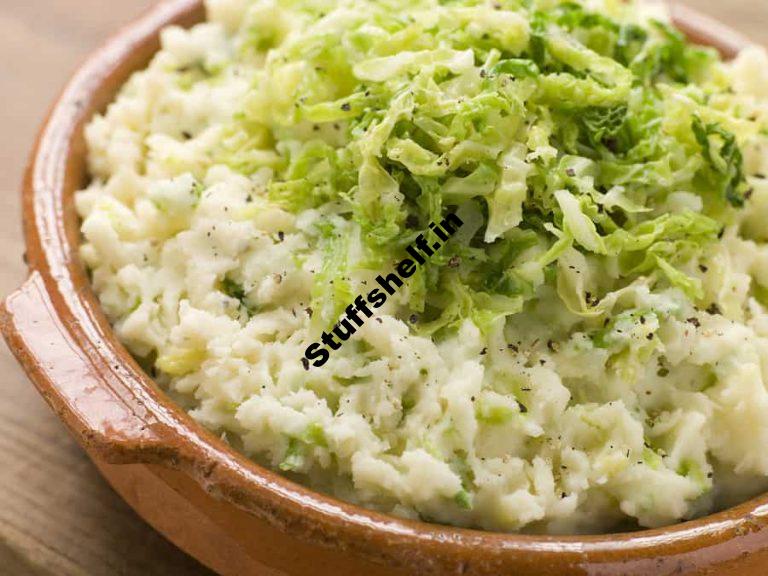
point(714, 309)
point(553, 346)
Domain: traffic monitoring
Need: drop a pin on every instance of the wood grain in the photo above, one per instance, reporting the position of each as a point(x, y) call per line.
point(57, 517)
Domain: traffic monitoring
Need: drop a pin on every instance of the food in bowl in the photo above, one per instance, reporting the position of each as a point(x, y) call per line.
point(583, 351)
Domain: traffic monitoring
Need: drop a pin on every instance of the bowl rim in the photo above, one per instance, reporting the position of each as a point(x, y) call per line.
point(170, 437)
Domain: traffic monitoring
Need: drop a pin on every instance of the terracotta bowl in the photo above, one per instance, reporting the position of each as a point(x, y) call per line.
point(231, 514)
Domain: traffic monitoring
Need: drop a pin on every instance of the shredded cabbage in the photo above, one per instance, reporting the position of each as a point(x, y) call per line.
point(402, 112)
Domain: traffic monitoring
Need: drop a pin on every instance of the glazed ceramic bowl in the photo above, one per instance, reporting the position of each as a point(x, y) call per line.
point(231, 514)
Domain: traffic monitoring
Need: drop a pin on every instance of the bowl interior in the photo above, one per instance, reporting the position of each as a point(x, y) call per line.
point(52, 229)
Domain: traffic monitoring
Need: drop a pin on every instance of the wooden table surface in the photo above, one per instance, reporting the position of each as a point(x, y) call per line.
point(57, 516)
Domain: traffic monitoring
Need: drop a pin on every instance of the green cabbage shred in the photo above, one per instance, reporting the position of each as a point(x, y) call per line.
point(557, 128)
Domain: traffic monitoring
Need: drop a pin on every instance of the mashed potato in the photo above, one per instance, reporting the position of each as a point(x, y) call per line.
point(590, 351)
